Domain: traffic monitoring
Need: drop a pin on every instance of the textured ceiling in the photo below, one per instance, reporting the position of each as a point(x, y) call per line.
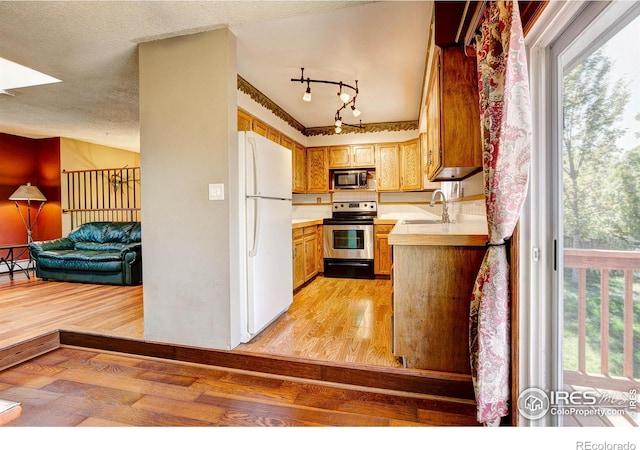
point(92, 48)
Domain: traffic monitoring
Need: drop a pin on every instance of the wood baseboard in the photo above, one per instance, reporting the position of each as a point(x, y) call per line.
point(450, 386)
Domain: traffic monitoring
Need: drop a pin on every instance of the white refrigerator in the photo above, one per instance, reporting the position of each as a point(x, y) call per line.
point(266, 272)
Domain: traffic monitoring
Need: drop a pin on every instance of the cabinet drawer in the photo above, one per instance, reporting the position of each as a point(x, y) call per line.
point(383, 229)
point(297, 233)
point(308, 231)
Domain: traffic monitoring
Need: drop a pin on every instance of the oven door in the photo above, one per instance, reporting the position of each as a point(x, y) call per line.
point(348, 241)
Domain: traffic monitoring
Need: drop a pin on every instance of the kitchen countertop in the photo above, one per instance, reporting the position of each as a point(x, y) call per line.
point(465, 231)
point(301, 223)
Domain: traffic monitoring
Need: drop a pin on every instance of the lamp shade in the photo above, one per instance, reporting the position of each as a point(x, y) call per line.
point(28, 192)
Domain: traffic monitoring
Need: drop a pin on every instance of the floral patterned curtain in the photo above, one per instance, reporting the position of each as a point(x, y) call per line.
point(505, 116)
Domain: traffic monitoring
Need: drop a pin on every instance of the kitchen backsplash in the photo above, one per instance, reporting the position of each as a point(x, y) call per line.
point(390, 205)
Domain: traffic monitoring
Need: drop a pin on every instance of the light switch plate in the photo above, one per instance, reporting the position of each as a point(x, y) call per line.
point(216, 191)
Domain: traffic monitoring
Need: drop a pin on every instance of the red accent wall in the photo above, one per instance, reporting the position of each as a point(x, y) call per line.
point(37, 161)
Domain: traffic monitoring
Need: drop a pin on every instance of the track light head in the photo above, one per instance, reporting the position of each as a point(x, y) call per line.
point(307, 94)
point(355, 111)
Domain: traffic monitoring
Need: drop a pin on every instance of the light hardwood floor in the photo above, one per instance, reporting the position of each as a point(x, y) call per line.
point(334, 319)
point(331, 319)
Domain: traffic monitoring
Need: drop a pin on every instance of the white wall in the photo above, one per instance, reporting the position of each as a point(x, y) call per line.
point(188, 140)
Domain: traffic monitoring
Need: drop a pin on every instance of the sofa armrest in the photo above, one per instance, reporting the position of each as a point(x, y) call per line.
point(130, 252)
point(56, 244)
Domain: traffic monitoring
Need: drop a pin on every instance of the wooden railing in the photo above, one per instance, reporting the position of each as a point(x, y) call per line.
point(103, 195)
point(605, 261)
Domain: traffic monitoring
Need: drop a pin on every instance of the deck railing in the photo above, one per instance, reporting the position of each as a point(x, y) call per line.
point(604, 261)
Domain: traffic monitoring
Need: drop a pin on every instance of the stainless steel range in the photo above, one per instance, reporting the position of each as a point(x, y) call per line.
point(348, 240)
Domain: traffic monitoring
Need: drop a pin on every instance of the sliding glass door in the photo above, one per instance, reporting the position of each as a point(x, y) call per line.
point(598, 218)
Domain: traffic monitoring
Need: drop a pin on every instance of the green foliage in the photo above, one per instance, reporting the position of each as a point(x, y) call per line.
point(592, 109)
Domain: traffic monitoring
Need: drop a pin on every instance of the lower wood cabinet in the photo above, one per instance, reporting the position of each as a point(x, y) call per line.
point(383, 252)
point(307, 255)
point(432, 288)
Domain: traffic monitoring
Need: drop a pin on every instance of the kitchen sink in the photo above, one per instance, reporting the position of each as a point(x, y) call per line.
point(422, 221)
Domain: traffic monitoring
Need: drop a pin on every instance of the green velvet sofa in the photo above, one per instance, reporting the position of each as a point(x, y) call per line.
point(95, 252)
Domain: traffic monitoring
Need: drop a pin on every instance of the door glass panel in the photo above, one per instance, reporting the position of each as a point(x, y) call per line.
point(601, 231)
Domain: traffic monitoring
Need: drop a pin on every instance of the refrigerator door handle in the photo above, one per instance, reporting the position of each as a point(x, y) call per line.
point(256, 228)
point(254, 154)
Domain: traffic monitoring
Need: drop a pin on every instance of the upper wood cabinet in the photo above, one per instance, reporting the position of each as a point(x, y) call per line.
point(398, 166)
point(260, 128)
point(287, 142)
point(410, 166)
point(274, 135)
point(339, 156)
point(245, 121)
point(299, 168)
point(317, 170)
point(348, 156)
point(453, 118)
point(363, 155)
point(387, 167)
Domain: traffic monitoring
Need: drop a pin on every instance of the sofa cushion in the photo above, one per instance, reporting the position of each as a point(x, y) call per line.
point(101, 246)
point(92, 231)
point(81, 260)
point(118, 232)
point(136, 233)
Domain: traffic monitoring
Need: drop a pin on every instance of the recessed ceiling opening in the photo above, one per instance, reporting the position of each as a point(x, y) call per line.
point(13, 76)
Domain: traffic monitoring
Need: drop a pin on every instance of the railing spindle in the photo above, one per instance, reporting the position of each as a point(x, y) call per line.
point(582, 319)
point(604, 321)
point(627, 370)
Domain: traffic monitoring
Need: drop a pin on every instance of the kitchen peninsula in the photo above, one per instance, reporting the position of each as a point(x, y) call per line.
point(434, 270)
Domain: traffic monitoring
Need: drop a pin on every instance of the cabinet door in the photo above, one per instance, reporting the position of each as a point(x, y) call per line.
point(320, 249)
point(298, 258)
point(245, 121)
point(273, 135)
point(424, 146)
point(260, 128)
point(299, 168)
point(363, 156)
point(383, 256)
point(434, 153)
point(317, 170)
point(286, 142)
point(339, 157)
point(387, 167)
point(410, 167)
point(310, 253)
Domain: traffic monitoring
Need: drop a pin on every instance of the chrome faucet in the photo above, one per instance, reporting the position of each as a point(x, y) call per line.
point(445, 212)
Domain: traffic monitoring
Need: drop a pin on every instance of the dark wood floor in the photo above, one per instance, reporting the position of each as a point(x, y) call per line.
point(75, 387)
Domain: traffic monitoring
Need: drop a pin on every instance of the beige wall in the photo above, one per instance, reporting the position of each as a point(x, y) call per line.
point(79, 155)
point(188, 139)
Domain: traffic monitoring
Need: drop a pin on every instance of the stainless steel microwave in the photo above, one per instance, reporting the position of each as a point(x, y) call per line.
point(350, 179)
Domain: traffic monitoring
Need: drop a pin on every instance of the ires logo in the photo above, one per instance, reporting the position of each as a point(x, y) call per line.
point(534, 403)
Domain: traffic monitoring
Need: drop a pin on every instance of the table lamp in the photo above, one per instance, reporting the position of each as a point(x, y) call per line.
point(28, 193)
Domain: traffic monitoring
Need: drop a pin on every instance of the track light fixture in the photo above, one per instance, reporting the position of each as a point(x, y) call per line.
point(345, 98)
